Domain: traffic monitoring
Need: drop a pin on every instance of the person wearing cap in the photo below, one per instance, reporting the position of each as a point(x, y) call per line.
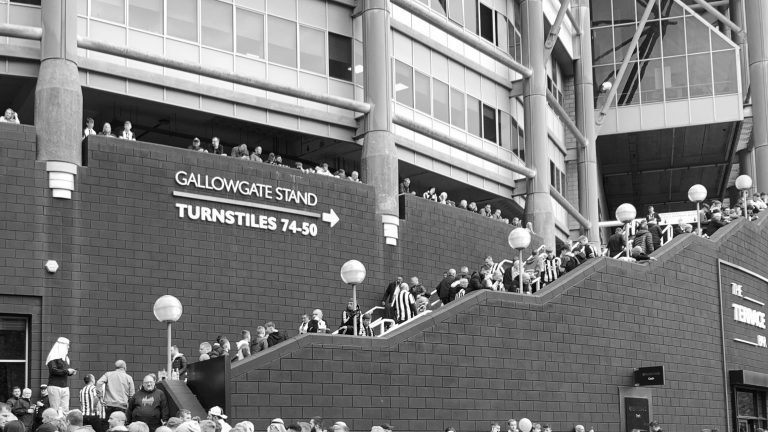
point(148, 405)
point(59, 371)
point(277, 425)
point(115, 388)
point(41, 405)
point(216, 414)
point(195, 146)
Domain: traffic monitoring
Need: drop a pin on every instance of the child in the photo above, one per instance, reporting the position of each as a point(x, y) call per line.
point(88, 131)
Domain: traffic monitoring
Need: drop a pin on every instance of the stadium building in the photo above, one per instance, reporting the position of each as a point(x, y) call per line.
point(555, 112)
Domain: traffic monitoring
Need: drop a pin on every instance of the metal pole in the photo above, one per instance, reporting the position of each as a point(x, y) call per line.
point(538, 206)
point(625, 62)
point(549, 44)
point(570, 208)
point(566, 119)
point(354, 305)
point(720, 17)
point(626, 245)
point(521, 271)
point(21, 32)
point(420, 11)
point(698, 219)
point(168, 350)
point(757, 24)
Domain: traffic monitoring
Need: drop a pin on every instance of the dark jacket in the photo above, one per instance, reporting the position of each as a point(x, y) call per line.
point(713, 226)
point(656, 234)
point(389, 293)
point(217, 351)
point(507, 279)
point(615, 244)
point(180, 364)
point(20, 408)
point(475, 283)
point(148, 407)
point(58, 371)
point(444, 290)
point(38, 416)
point(643, 239)
point(275, 338)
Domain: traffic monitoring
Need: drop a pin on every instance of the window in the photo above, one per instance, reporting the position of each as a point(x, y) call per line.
point(505, 130)
point(750, 409)
point(486, 23)
point(457, 108)
point(489, 123)
point(250, 33)
point(27, 2)
point(282, 41)
point(110, 10)
point(312, 45)
point(439, 6)
point(556, 178)
point(13, 354)
point(182, 20)
point(441, 106)
point(456, 11)
point(700, 75)
point(423, 93)
point(470, 15)
point(340, 57)
point(146, 15)
point(501, 31)
point(217, 25)
point(403, 83)
point(725, 72)
point(473, 116)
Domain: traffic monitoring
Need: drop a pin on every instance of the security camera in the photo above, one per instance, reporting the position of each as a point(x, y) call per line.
point(605, 87)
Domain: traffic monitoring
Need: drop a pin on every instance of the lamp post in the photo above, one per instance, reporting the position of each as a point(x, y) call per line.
point(168, 309)
point(519, 239)
point(353, 273)
point(697, 193)
point(625, 214)
point(743, 184)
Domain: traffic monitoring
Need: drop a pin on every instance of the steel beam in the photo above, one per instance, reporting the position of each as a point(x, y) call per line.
point(566, 119)
point(21, 32)
point(720, 17)
point(421, 11)
point(570, 208)
point(198, 69)
point(632, 47)
point(460, 145)
point(549, 44)
point(574, 22)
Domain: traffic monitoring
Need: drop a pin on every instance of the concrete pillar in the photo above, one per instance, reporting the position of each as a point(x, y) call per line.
point(538, 206)
point(589, 195)
point(379, 159)
point(757, 38)
point(59, 98)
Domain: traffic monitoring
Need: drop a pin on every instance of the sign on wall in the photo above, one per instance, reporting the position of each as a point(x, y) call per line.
point(255, 199)
point(744, 305)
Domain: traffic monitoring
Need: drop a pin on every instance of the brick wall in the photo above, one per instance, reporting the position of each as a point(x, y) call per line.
point(559, 358)
point(120, 245)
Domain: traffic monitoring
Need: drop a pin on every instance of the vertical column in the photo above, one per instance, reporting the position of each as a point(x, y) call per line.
point(585, 119)
point(757, 38)
point(538, 206)
point(379, 159)
point(59, 98)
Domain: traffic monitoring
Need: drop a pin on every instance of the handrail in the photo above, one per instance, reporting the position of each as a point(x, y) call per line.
point(198, 69)
point(395, 326)
point(21, 32)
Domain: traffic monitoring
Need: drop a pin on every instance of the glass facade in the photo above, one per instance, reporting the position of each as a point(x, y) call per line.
point(674, 58)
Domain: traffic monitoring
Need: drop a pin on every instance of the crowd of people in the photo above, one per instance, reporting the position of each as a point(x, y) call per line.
point(442, 198)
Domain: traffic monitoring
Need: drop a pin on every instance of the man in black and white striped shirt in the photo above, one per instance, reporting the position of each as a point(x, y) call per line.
point(405, 304)
point(90, 404)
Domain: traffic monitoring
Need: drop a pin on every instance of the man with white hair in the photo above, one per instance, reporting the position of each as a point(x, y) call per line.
point(59, 371)
point(116, 387)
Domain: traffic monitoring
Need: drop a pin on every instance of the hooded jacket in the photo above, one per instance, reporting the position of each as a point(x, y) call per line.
point(180, 364)
point(643, 239)
point(149, 407)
